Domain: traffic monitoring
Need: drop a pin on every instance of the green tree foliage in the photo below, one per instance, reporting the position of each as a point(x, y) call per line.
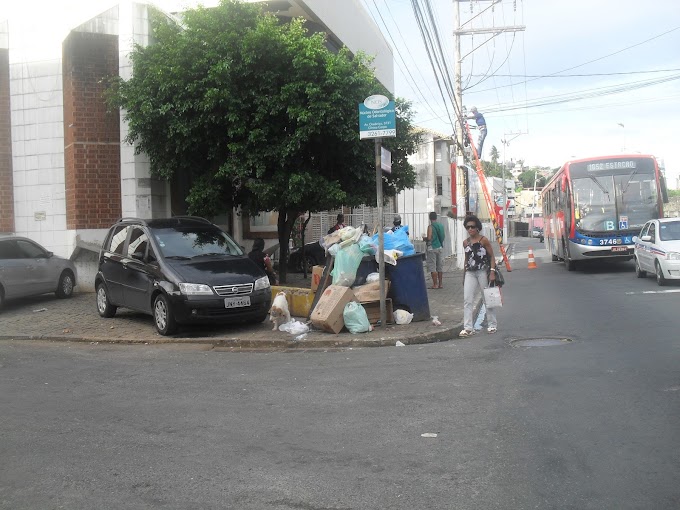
point(259, 114)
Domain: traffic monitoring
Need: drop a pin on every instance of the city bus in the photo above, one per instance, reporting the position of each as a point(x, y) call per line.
point(593, 207)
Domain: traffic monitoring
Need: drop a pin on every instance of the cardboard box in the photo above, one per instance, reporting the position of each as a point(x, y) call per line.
point(370, 291)
point(327, 314)
point(317, 273)
point(373, 311)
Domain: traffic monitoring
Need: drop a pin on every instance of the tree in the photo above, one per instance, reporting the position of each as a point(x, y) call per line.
point(494, 155)
point(260, 115)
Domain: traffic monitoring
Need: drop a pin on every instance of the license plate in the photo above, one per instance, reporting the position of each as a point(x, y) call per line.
point(236, 302)
point(619, 248)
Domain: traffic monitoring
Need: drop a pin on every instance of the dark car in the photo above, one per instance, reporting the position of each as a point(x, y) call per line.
point(314, 253)
point(28, 269)
point(180, 270)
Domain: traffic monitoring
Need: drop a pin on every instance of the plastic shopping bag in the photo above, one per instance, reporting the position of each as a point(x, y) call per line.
point(492, 297)
point(346, 264)
point(355, 317)
point(397, 240)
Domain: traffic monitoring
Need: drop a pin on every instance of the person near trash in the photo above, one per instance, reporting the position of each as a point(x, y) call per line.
point(481, 125)
point(396, 223)
point(435, 244)
point(480, 272)
point(340, 223)
point(262, 260)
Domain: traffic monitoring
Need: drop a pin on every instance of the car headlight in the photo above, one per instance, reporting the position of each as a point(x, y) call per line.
point(262, 283)
point(673, 255)
point(195, 289)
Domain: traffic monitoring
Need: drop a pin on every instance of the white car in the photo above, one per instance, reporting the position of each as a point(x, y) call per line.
point(657, 250)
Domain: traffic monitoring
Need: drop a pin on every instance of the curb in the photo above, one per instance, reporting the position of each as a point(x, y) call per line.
point(239, 343)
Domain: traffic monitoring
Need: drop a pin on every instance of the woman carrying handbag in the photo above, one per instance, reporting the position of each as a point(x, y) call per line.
point(479, 259)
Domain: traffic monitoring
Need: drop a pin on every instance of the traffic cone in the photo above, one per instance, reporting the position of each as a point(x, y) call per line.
point(532, 260)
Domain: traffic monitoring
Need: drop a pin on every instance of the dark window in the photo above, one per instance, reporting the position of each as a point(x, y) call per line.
point(440, 185)
point(138, 242)
point(10, 250)
point(30, 250)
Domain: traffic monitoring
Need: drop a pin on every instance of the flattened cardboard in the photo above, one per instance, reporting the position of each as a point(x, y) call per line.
point(327, 314)
point(317, 273)
point(370, 291)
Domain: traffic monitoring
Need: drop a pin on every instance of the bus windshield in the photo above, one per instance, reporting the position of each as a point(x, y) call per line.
point(604, 203)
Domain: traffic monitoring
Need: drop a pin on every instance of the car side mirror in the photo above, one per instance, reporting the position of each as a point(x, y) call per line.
point(49, 254)
point(646, 238)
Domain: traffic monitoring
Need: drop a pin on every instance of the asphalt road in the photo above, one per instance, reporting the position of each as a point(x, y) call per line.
point(588, 424)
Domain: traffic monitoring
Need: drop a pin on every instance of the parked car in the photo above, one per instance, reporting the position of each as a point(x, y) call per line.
point(657, 250)
point(537, 232)
point(314, 253)
point(179, 270)
point(28, 269)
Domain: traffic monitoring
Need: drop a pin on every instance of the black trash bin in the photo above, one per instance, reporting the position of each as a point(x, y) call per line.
point(408, 289)
point(367, 266)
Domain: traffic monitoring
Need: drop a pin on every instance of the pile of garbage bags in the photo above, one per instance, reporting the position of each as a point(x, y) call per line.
point(350, 245)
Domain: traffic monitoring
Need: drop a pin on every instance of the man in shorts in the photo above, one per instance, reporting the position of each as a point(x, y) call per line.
point(435, 242)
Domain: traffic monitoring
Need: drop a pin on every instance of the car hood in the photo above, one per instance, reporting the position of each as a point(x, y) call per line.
point(217, 270)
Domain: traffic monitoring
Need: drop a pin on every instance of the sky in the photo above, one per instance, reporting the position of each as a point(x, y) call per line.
point(613, 44)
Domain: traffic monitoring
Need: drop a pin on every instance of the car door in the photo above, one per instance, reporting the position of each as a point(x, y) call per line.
point(16, 271)
point(42, 273)
point(138, 271)
point(643, 248)
point(111, 264)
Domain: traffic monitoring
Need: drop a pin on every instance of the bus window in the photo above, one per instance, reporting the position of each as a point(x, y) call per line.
point(594, 204)
point(636, 198)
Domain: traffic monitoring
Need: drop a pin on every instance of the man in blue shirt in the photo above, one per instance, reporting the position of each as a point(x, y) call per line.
point(481, 125)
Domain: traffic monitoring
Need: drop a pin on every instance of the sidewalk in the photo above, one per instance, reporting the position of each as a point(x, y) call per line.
point(76, 320)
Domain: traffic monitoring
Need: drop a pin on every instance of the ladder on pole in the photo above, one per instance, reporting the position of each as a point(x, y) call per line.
point(487, 198)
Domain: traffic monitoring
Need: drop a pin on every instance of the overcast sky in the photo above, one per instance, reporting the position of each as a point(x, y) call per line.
point(598, 38)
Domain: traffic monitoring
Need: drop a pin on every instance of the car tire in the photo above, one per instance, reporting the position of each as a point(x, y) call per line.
point(639, 272)
point(660, 279)
point(104, 306)
point(163, 318)
point(66, 284)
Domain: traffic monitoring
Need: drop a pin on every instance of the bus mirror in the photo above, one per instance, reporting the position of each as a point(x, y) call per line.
point(664, 189)
point(635, 239)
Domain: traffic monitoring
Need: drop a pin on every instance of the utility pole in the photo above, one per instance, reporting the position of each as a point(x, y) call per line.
point(459, 31)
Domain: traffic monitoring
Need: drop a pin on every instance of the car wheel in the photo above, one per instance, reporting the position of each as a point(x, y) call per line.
point(162, 316)
point(66, 283)
point(660, 280)
point(639, 272)
point(104, 306)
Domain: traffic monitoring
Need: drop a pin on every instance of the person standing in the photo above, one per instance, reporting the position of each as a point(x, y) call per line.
point(396, 223)
point(435, 243)
point(262, 260)
point(480, 271)
point(481, 125)
point(340, 223)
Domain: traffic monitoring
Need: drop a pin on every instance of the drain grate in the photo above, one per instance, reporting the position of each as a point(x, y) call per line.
point(539, 342)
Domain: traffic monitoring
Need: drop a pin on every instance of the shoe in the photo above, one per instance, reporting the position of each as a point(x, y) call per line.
point(465, 333)
point(491, 330)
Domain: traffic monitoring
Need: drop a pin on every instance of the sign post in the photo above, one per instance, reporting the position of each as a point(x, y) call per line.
point(377, 120)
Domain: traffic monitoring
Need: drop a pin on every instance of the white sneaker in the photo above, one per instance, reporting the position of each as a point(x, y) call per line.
point(491, 330)
point(465, 333)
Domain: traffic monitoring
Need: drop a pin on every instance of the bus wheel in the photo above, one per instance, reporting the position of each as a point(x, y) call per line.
point(568, 263)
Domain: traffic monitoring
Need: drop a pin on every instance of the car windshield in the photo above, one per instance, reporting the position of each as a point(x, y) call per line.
point(189, 242)
point(669, 231)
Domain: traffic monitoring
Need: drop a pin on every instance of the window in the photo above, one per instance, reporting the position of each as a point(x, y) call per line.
point(652, 232)
point(10, 250)
point(118, 239)
point(138, 242)
point(440, 185)
point(30, 250)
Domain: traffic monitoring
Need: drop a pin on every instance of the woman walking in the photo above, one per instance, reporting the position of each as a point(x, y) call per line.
point(480, 271)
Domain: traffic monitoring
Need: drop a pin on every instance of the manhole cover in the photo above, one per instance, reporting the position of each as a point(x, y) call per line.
point(539, 342)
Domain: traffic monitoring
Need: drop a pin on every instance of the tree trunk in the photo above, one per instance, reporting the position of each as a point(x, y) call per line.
point(285, 227)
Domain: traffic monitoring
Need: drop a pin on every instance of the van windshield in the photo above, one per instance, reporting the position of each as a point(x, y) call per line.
point(190, 242)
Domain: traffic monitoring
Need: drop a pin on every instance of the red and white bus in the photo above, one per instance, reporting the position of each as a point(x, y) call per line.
point(593, 207)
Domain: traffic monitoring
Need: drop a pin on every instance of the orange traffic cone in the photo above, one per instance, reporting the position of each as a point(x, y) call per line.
point(532, 261)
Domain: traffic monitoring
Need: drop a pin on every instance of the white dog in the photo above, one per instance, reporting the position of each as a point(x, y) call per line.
point(279, 313)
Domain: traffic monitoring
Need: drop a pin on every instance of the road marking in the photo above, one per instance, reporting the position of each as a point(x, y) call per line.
point(669, 291)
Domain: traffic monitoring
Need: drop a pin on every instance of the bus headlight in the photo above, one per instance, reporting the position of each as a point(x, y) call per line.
point(262, 283)
point(673, 255)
